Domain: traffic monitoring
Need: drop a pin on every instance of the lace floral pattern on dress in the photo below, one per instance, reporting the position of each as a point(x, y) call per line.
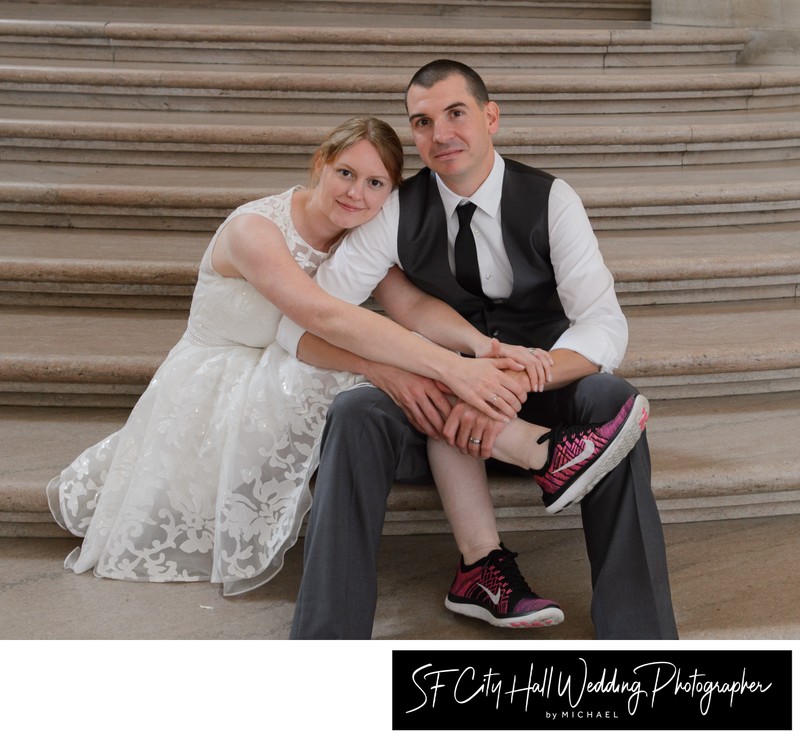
point(209, 477)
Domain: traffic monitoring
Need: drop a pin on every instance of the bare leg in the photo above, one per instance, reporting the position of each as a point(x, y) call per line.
point(492, 589)
point(488, 584)
point(518, 444)
point(464, 489)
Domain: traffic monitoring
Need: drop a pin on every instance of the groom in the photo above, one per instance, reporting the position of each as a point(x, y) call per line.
point(539, 281)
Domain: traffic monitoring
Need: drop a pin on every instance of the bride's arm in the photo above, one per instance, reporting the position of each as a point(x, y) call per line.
point(424, 403)
point(420, 312)
point(436, 320)
point(420, 398)
point(253, 248)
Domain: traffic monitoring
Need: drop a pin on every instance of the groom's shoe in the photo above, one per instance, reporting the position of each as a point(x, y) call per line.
point(493, 589)
point(580, 456)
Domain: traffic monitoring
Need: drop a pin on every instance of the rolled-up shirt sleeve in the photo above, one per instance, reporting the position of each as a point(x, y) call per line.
point(598, 329)
point(357, 266)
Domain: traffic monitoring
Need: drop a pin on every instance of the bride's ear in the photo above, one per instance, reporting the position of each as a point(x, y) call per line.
point(316, 169)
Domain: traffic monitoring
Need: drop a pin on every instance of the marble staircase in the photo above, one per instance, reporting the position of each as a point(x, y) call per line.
point(128, 132)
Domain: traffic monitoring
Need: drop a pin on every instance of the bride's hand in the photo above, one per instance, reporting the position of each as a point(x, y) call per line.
point(536, 362)
point(484, 384)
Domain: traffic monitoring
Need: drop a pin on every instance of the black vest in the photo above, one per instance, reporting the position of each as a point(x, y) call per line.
point(532, 315)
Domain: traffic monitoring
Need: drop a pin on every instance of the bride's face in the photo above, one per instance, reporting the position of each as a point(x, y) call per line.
point(353, 187)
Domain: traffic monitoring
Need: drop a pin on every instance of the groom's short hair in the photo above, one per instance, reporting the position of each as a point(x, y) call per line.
point(436, 71)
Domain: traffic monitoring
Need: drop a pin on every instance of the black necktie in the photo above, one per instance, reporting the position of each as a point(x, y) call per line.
point(466, 256)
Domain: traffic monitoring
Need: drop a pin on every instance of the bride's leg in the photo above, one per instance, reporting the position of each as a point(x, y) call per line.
point(488, 584)
point(464, 490)
point(567, 462)
point(492, 588)
point(518, 444)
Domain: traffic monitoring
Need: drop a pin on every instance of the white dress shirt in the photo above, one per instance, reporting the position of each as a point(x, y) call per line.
point(597, 330)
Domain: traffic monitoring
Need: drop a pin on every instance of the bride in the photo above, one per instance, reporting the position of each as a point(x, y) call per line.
point(209, 477)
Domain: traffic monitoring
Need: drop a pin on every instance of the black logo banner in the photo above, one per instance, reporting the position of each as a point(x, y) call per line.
point(600, 690)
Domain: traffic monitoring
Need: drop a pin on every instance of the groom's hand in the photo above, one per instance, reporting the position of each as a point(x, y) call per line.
point(465, 423)
point(422, 400)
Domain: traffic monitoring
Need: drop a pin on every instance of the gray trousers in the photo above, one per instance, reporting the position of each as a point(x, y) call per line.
point(368, 444)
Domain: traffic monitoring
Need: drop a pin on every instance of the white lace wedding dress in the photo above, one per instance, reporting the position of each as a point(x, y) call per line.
point(209, 477)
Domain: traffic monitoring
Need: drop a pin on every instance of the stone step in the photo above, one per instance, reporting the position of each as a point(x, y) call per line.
point(670, 197)
point(679, 266)
point(95, 268)
point(105, 358)
point(82, 357)
point(234, 122)
point(713, 459)
point(549, 143)
point(169, 198)
point(157, 270)
point(686, 162)
point(213, 41)
point(521, 10)
point(714, 349)
point(250, 89)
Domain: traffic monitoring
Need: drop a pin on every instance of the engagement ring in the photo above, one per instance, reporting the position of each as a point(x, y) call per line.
point(476, 441)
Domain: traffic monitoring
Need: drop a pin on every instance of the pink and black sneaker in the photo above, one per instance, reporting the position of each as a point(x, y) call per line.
point(493, 589)
point(581, 455)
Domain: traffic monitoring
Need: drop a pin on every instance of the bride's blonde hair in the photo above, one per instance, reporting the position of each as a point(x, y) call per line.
point(361, 128)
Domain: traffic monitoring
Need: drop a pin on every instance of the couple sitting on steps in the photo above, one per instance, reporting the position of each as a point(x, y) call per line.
point(505, 330)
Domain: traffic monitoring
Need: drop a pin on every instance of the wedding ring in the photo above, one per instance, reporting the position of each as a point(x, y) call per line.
point(476, 441)
point(533, 351)
point(493, 400)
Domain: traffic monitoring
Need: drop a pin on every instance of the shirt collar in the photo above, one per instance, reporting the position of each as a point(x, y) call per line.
point(486, 197)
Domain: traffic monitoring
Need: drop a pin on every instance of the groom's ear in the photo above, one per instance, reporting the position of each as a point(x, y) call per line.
point(492, 112)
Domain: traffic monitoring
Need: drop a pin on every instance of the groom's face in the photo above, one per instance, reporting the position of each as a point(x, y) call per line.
point(453, 132)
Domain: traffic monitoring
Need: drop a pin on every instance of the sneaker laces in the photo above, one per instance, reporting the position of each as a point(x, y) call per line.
point(504, 561)
point(561, 432)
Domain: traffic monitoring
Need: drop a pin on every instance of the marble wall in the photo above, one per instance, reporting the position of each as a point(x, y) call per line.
point(775, 24)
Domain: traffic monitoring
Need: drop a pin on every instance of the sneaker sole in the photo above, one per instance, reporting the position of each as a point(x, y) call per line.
point(539, 619)
point(617, 450)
